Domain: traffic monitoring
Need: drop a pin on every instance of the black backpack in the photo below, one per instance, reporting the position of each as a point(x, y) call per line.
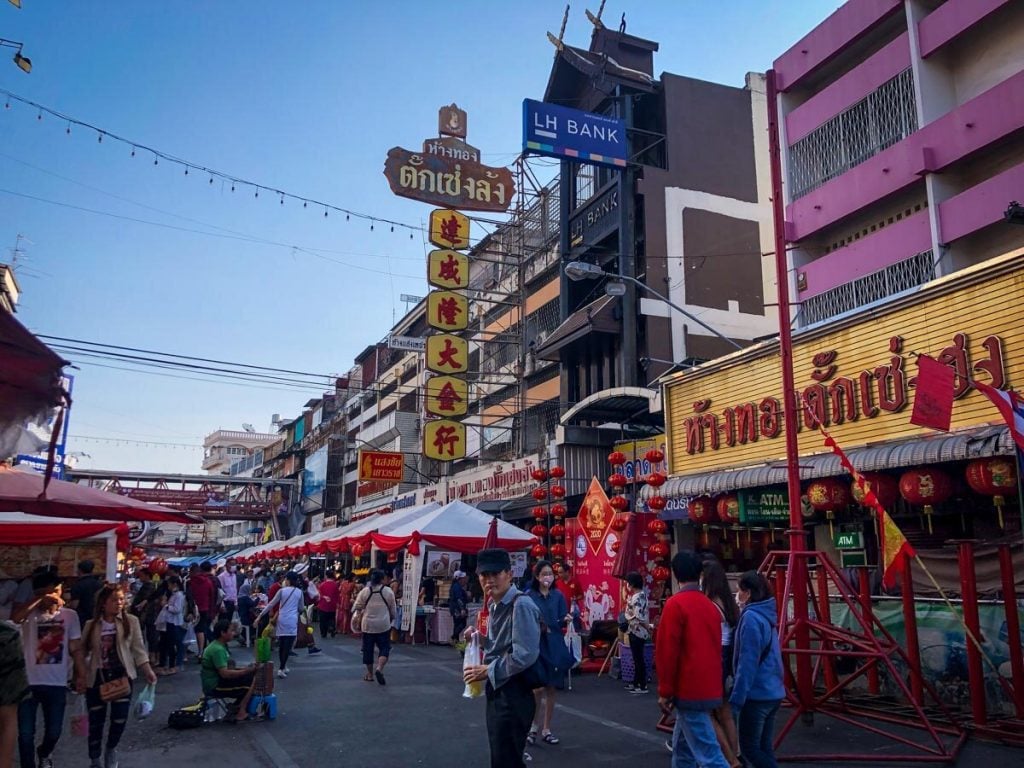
point(185, 718)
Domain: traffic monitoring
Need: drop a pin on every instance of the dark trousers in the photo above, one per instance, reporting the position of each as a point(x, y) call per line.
point(119, 709)
point(52, 699)
point(285, 643)
point(757, 731)
point(172, 646)
point(458, 627)
point(326, 623)
point(510, 711)
point(228, 610)
point(636, 647)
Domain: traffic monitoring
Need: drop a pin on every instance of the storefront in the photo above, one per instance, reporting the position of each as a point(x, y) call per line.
point(857, 377)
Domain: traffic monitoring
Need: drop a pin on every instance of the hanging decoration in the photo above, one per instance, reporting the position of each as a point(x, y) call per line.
point(657, 503)
point(829, 495)
point(539, 475)
point(926, 487)
point(655, 455)
point(996, 477)
point(619, 523)
point(885, 487)
point(619, 503)
point(539, 513)
point(617, 481)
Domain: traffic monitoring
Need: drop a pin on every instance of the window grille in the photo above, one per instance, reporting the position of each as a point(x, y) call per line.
point(882, 118)
point(879, 285)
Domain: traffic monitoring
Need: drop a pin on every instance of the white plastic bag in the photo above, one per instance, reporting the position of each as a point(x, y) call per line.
point(474, 655)
point(145, 703)
point(574, 643)
point(189, 641)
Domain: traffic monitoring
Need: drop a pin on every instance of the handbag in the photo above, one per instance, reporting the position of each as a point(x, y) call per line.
point(118, 688)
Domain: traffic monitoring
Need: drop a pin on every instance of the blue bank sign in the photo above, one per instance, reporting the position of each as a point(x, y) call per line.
point(557, 131)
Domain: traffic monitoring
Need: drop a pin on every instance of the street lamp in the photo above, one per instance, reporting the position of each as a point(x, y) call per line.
point(582, 270)
point(1014, 213)
point(23, 62)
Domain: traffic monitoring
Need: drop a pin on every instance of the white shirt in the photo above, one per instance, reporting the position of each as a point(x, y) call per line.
point(289, 601)
point(46, 640)
point(229, 584)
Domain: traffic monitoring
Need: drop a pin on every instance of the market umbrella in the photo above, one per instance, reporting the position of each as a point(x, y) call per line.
point(491, 540)
point(24, 492)
point(629, 557)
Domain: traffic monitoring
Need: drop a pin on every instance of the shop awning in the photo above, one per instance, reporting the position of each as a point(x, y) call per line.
point(596, 316)
point(618, 404)
point(963, 446)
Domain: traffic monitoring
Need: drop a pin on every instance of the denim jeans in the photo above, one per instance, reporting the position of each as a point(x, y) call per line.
point(694, 742)
point(757, 731)
point(119, 710)
point(52, 699)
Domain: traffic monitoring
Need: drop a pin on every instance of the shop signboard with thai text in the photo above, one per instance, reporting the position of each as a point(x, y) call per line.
point(593, 542)
point(504, 480)
point(557, 131)
point(637, 464)
point(381, 465)
point(766, 505)
point(855, 376)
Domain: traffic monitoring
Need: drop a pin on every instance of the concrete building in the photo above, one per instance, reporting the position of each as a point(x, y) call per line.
point(9, 289)
point(226, 446)
point(901, 127)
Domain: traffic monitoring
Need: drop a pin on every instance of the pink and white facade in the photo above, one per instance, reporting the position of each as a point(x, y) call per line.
point(902, 128)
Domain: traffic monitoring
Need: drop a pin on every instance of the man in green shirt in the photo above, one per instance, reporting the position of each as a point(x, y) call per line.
point(219, 676)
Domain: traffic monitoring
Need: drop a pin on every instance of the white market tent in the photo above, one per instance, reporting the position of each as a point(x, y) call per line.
point(456, 526)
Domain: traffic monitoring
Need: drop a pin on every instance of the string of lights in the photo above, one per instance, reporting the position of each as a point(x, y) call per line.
point(233, 180)
point(127, 441)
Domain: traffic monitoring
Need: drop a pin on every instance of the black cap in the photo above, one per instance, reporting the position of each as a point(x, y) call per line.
point(493, 561)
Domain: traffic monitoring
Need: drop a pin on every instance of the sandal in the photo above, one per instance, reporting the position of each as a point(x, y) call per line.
point(531, 737)
point(549, 738)
point(367, 678)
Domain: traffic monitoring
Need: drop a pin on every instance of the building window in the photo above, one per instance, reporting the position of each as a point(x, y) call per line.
point(879, 285)
point(882, 118)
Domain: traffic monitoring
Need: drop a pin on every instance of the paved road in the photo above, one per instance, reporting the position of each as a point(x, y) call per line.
point(329, 717)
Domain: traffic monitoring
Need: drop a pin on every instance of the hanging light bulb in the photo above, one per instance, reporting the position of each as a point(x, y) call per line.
point(186, 170)
point(99, 138)
point(325, 211)
point(156, 160)
point(257, 192)
point(232, 186)
point(392, 227)
point(211, 179)
point(68, 129)
point(282, 199)
point(346, 217)
point(371, 226)
point(40, 115)
point(133, 151)
point(303, 203)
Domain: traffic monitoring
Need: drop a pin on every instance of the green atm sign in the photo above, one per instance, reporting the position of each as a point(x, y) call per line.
point(768, 505)
point(849, 540)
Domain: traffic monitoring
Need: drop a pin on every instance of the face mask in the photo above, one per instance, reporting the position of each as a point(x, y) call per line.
point(547, 581)
point(231, 569)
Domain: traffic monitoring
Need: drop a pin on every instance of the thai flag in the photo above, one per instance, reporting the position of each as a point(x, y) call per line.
point(1011, 406)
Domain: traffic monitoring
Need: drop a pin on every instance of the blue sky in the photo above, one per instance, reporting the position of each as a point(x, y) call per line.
point(306, 97)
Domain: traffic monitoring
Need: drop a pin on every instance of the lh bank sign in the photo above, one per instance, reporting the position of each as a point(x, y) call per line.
point(557, 131)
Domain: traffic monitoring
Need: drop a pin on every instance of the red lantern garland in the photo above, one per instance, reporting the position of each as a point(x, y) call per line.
point(357, 551)
point(617, 480)
point(828, 495)
point(700, 509)
point(539, 475)
point(995, 477)
point(658, 551)
point(655, 479)
point(158, 566)
point(558, 550)
point(539, 530)
point(657, 527)
point(540, 494)
point(619, 523)
point(558, 511)
point(657, 503)
point(728, 508)
point(619, 503)
point(539, 513)
point(926, 487)
point(558, 530)
point(538, 550)
point(655, 456)
point(557, 472)
point(557, 492)
point(616, 458)
point(661, 573)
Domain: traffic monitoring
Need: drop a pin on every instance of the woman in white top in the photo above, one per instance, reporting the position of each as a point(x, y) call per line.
point(715, 584)
point(289, 602)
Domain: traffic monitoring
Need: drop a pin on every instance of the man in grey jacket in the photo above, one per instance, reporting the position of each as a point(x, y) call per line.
point(510, 648)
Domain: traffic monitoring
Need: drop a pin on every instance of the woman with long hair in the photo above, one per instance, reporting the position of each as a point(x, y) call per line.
point(715, 584)
point(172, 649)
point(115, 651)
point(553, 615)
point(758, 687)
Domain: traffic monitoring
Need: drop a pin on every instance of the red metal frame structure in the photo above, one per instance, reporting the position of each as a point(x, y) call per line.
point(810, 644)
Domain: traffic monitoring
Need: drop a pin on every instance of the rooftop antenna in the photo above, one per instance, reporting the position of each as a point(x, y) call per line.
point(17, 251)
point(622, 24)
point(557, 41)
point(596, 20)
point(249, 428)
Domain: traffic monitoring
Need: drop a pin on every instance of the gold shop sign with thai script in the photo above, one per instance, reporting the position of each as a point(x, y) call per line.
point(857, 376)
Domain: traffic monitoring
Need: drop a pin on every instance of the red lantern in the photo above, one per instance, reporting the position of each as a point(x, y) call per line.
point(617, 480)
point(357, 551)
point(728, 508)
point(540, 494)
point(828, 495)
point(661, 573)
point(392, 557)
point(557, 472)
point(655, 456)
point(619, 503)
point(657, 503)
point(539, 513)
point(558, 491)
point(995, 477)
point(558, 550)
point(558, 530)
point(700, 509)
point(619, 523)
point(158, 566)
point(616, 545)
point(616, 458)
point(558, 510)
point(658, 551)
point(538, 550)
point(655, 479)
point(539, 475)
point(885, 488)
point(657, 527)
point(138, 553)
point(926, 487)
point(539, 530)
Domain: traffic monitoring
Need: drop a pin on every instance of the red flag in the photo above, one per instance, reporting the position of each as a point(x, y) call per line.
point(1010, 405)
point(933, 398)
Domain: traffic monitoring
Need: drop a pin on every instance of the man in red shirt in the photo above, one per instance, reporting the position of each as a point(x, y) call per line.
point(327, 604)
point(688, 657)
point(204, 594)
point(568, 586)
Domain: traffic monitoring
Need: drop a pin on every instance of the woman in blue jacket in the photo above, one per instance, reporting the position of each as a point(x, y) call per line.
point(758, 687)
point(553, 615)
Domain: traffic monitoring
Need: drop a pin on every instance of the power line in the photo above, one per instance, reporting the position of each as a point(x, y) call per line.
point(119, 440)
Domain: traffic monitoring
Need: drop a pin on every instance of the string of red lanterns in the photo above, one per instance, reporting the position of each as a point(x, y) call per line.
point(552, 535)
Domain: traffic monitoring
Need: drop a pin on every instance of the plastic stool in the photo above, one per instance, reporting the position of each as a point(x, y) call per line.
point(269, 700)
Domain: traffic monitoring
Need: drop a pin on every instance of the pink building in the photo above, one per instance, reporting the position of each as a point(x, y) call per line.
point(903, 144)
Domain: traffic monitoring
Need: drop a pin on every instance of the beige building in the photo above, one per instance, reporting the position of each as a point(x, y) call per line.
point(226, 446)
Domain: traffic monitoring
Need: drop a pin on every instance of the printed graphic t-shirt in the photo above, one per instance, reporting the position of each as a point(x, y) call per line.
point(110, 662)
point(47, 642)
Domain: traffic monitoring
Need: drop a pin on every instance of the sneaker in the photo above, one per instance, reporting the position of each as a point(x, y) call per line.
point(531, 737)
point(110, 759)
point(639, 690)
point(314, 651)
point(668, 745)
point(282, 673)
point(629, 687)
point(527, 757)
point(45, 762)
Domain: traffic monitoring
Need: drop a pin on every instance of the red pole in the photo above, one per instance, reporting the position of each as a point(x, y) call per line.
point(869, 623)
point(969, 595)
point(1012, 628)
point(910, 626)
point(797, 543)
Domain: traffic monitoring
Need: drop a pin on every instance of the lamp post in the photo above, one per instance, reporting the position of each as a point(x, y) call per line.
point(582, 270)
point(22, 62)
